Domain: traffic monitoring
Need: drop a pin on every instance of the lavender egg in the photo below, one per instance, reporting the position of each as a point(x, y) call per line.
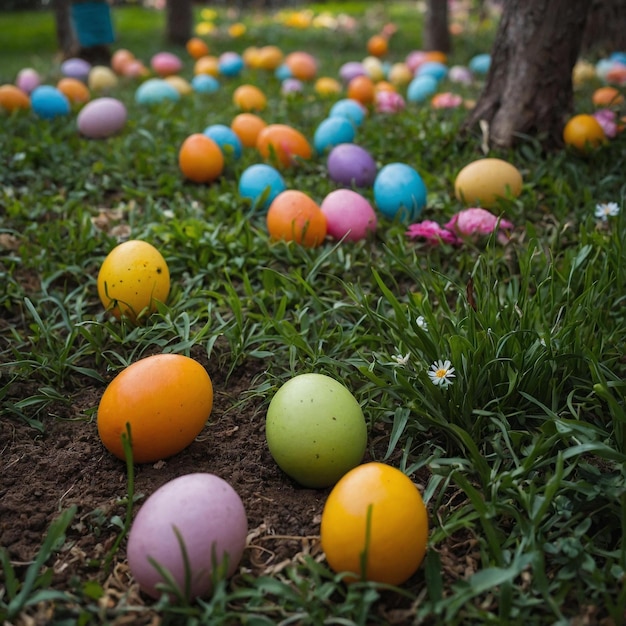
point(351, 165)
point(28, 79)
point(101, 118)
point(76, 68)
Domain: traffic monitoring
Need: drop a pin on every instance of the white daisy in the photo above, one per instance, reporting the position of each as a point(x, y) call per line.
point(441, 372)
point(401, 360)
point(606, 210)
point(421, 323)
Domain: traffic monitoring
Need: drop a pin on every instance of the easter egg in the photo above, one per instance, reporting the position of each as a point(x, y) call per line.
point(204, 83)
point(225, 138)
point(166, 63)
point(191, 526)
point(375, 525)
point(349, 108)
point(197, 47)
point(432, 68)
point(156, 91)
point(460, 74)
point(27, 80)
point(165, 398)
point(270, 57)
point(302, 65)
point(378, 45)
point(120, 58)
point(76, 68)
point(101, 118)
point(13, 98)
point(373, 68)
point(326, 86)
point(606, 96)
point(399, 192)
point(350, 70)
point(208, 65)
point(247, 127)
point(480, 63)
point(261, 183)
point(485, 181)
point(283, 144)
point(414, 59)
point(315, 430)
point(101, 78)
point(135, 69)
point(400, 75)
point(348, 214)
point(421, 88)
point(583, 132)
point(200, 159)
point(294, 216)
point(291, 86)
point(361, 89)
point(349, 164)
point(75, 90)
point(230, 64)
point(249, 98)
point(333, 131)
point(133, 277)
point(182, 86)
point(282, 72)
point(48, 102)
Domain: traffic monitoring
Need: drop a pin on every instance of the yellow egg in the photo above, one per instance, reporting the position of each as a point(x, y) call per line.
point(181, 85)
point(326, 86)
point(373, 68)
point(132, 279)
point(483, 182)
point(101, 78)
point(400, 74)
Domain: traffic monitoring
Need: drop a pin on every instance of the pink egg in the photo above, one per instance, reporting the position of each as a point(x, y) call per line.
point(348, 215)
point(27, 79)
point(210, 519)
point(166, 63)
point(101, 118)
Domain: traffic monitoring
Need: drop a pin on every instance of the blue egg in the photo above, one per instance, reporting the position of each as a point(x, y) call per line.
point(480, 63)
point(399, 192)
point(421, 87)
point(332, 131)
point(203, 83)
point(261, 183)
point(156, 90)
point(230, 64)
point(433, 68)
point(618, 57)
point(48, 102)
point(283, 72)
point(349, 108)
point(226, 138)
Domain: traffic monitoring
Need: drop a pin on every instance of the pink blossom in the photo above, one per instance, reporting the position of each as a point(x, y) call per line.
point(477, 221)
point(607, 119)
point(389, 102)
point(446, 100)
point(432, 232)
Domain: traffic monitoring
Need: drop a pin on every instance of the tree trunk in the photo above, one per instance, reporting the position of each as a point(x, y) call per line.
point(65, 34)
point(606, 27)
point(529, 90)
point(179, 21)
point(436, 32)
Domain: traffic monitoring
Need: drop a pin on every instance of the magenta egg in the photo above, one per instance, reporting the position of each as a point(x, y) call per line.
point(202, 512)
point(351, 165)
point(348, 214)
point(166, 63)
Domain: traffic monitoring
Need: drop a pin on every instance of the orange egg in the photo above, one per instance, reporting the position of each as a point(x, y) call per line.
point(383, 85)
point(251, 57)
point(13, 98)
point(293, 216)
point(302, 65)
point(436, 56)
point(200, 159)
point(249, 98)
point(362, 89)
point(326, 86)
point(120, 58)
point(166, 400)
point(583, 132)
point(132, 279)
point(247, 127)
point(75, 90)
point(375, 525)
point(607, 96)
point(270, 57)
point(197, 47)
point(283, 144)
point(377, 45)
point(207, 65)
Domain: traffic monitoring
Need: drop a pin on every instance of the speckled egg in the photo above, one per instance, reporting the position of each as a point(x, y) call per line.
point(102, 117)
point(351, 165)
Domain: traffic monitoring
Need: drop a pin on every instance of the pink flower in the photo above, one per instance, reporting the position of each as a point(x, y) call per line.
point(432, 232)
point(607, 119)
point(389, 102)
point(446, 100)
point(477, 221)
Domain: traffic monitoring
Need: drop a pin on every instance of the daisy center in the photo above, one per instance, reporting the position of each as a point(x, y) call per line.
point(441, 373)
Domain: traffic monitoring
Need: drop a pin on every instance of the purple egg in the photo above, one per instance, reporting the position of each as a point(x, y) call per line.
point(351, 70)
point(349, 215)
point(291, 85)
point(349, 164)
point(101, 118)
point(76, 68)
point(28, 79)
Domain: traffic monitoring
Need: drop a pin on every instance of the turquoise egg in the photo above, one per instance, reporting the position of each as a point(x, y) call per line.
point(283, 72)
point(230, 64)
point(260, 184)
point(421, 87)
point(226, 138)
point(399, 192)
point(203, 83)
point(433, 68)
point(154, 91)
point(48, 102)
point(332, 131)
point(480, 63)
point(349, 108)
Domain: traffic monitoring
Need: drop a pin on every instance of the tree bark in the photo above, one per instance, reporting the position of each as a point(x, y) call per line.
point(528, 90)
point(179, 21)
point(65, 34)
point(436, 32)
point(606, 27)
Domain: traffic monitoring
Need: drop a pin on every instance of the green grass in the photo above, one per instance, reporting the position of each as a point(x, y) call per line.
point(525, 450)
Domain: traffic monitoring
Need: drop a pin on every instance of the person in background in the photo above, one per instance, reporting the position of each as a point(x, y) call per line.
point(93, 26)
